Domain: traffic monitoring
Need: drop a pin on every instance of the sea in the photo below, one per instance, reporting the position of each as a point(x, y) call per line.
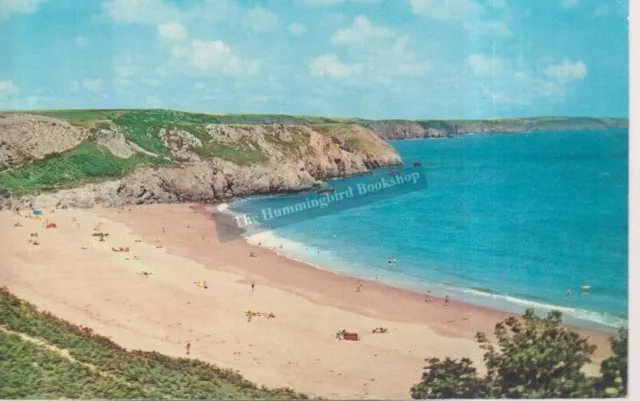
point(506, 221)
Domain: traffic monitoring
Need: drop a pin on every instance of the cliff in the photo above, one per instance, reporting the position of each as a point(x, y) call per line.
point(386, 129)
point(154, 156)
point(403, 129)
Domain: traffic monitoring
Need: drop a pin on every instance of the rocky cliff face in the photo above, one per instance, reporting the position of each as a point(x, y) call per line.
point(407, 130)
point(404, 129)
point(293, 158)
point(24, 138)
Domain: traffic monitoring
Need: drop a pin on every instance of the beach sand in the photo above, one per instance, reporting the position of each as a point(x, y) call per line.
point(78, 278)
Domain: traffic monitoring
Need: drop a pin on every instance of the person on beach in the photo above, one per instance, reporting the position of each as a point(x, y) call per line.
point(188, 348)
point(358, 286)
point(253, 287)
point(163, 230)
point(429, 297)
point(446, 300)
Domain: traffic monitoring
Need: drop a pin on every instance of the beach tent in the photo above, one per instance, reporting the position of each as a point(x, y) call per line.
point(37, 212)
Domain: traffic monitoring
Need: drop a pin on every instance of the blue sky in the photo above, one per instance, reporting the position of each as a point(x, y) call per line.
point(364, 58)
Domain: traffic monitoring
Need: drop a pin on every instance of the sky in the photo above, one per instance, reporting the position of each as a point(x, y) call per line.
point(414, 59)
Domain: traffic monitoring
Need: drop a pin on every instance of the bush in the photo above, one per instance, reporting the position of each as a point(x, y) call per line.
point(534, 358)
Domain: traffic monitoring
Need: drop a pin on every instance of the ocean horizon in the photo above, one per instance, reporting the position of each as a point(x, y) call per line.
point(506, 221)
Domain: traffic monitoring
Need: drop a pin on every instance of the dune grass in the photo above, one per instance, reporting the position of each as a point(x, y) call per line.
point(55, 359)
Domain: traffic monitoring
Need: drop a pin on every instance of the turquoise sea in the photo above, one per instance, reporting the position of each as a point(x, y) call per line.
point(506, 221)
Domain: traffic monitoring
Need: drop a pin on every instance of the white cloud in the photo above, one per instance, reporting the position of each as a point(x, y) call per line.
point(566, 4)
point(260, 19)
point(481, 64)
point(93, 84)
point(214, 56)
point(503, 81)
point(8, 7)
point(330, 66)
point(361, 31)
point(7, 89)
point(125, 71)
point(567, 71)
point(215, 10)
point(126, 68)
point(35, 102)
point(475, 18)
point(375, 55)
point(445, 10)
point(491, 28)
point(498, 4)
point(258, 99)
point(140, 11)
point(297, 28)
point(172, 32)
point(80, 41)
point(152, 81)
point(323, 3)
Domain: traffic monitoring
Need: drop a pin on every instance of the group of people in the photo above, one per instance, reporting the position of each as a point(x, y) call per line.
point(585, 289)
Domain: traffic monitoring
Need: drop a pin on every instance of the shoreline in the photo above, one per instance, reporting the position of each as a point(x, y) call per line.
point(80, 279)
point(572, 321)
point(291, 270)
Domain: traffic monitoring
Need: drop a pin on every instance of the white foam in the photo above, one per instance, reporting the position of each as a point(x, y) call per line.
point(259, 236)
point(575, 313)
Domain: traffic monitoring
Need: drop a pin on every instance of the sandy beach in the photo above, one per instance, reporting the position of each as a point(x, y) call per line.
point(79, 278)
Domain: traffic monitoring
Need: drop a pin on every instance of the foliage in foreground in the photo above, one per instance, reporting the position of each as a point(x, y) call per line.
point(60, 360)
point(535, 358)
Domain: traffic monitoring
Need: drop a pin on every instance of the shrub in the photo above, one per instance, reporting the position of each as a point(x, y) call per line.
point(534, 358)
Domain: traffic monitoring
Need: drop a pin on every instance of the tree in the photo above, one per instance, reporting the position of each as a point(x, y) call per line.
point(537, 359)
point(450, 379)
point(534, 358)
point(613, 382)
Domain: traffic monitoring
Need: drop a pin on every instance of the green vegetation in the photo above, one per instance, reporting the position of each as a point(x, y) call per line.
point(71, 115)
point(44, 357)
point(353, 136)
point(133, 117)
point(86, 162)
point(89, 162)
point(238, 154)
point(534, 358)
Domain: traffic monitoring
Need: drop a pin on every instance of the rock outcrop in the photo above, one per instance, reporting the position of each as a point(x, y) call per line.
point(295, 158)
point(25, 138)
point(407, 130)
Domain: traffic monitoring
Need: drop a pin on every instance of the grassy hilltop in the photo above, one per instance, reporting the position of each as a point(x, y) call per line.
point(91, 118)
